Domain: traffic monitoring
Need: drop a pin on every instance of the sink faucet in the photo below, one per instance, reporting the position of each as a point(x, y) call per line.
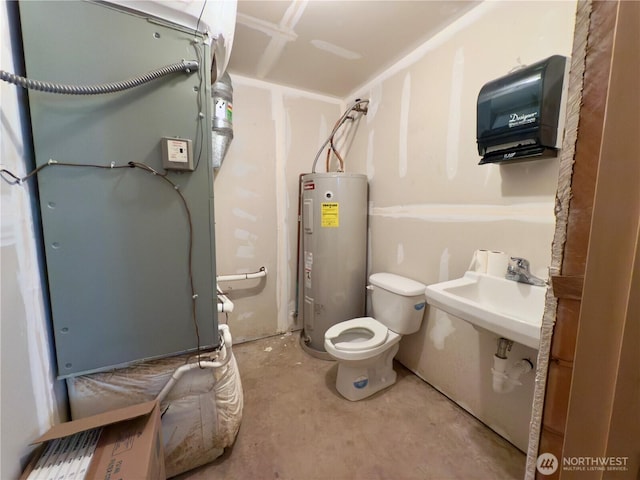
point(518, 270)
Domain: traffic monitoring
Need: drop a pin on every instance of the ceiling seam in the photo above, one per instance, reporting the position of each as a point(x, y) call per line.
point(277, 43)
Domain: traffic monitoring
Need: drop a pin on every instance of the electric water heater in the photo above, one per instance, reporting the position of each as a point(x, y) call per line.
point(334, 253)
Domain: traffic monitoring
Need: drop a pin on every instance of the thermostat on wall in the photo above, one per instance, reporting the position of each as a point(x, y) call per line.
point(176, 154)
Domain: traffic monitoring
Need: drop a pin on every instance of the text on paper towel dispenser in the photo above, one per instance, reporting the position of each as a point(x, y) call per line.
point(520, 115)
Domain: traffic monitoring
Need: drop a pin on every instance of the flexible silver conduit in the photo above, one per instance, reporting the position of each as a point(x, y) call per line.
point(187, 66)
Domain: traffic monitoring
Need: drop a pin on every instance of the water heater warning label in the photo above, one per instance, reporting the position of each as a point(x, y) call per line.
point(330, 215)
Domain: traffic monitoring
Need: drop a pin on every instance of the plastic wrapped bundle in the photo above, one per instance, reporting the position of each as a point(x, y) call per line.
point(201, 413)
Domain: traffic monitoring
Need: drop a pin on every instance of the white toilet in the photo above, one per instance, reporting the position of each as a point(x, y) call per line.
point(364, 347)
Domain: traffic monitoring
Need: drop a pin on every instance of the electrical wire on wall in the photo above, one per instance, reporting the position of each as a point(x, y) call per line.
point(195, 32)
point(359, 106)
point(13, 179)
point(200, 127)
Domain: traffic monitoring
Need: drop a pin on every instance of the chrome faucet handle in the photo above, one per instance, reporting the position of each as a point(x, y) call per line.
point(518, 270)
point(519, 262)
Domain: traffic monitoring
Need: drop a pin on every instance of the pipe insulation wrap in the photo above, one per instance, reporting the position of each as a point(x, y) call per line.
point(187, 66)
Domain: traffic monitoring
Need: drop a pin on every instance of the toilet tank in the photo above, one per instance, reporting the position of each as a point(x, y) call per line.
point(397, 302)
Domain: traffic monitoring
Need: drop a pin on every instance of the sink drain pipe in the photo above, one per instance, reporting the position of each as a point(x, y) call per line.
point(505, 376)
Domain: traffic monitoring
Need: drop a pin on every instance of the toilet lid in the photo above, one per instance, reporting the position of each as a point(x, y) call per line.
point(371, 325)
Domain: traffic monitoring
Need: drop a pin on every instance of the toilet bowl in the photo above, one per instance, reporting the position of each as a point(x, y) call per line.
point(365, 347)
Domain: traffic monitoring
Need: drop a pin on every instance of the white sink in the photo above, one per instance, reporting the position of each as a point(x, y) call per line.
point(510, 309)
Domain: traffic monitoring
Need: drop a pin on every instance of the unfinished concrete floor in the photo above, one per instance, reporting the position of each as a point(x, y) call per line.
point(296, 426)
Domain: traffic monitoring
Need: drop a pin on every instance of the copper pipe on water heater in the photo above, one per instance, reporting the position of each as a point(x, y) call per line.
point(356, 107)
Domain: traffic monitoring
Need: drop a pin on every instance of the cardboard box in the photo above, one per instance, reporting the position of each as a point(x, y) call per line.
point(129, 446)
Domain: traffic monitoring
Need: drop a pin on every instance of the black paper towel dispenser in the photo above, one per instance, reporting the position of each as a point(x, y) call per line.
point(519, 115)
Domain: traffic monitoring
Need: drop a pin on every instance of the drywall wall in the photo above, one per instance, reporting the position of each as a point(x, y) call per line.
point(277, 131)
point(431, 205)
point(31, 400)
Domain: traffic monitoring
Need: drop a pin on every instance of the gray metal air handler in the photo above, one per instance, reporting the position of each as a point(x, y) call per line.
point(130, 266)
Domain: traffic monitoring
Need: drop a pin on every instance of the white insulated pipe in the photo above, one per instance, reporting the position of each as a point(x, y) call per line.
point(242, 276)
point(225, 351)
point(224, 304)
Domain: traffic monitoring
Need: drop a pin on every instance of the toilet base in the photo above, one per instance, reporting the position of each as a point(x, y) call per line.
point(362, 378)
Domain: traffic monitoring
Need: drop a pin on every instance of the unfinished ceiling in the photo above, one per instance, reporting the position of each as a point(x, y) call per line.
point(332, 47)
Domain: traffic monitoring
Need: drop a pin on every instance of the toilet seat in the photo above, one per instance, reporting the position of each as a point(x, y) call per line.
point(370, 325)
